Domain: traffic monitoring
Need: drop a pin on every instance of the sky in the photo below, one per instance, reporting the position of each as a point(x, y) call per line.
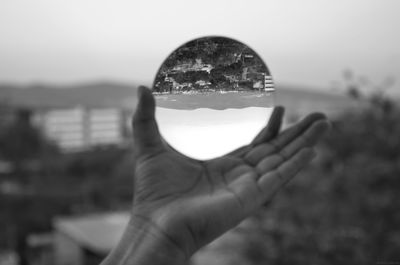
point(308, 43)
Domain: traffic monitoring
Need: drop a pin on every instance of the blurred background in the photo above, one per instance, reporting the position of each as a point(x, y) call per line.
point(68, 77)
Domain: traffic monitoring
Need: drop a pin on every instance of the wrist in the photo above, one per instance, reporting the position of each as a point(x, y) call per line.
point(144, 243)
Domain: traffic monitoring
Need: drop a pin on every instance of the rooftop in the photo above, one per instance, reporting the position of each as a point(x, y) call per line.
point(97, 232)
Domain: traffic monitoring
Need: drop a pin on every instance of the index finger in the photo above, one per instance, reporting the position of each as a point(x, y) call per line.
point(257, 153)
point(270, 131)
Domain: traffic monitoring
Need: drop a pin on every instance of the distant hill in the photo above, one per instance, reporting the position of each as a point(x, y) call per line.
point(297, 101)
point(96, 94)
point(300, 101)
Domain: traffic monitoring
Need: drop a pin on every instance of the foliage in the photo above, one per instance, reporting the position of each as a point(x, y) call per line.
point(47, 183)
point(344, 209)
point(20, 140)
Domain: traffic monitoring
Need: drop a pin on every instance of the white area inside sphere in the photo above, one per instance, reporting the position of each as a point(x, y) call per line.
point(207, 133)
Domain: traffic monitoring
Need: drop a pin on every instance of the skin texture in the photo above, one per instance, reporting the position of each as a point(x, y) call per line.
point(181, 204)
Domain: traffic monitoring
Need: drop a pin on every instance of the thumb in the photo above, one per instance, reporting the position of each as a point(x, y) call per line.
point(146, 136)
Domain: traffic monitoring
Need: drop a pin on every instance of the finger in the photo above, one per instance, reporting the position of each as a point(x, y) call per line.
point(269, 163)
point(307, 139)
point(257, 153)
point(145, 130)
point(272, 129)
point(241, 151)
point(267, 133)
point(247, 192)
point(273, 181)
point(269, 154)
point(236, 171)
point(293, 132)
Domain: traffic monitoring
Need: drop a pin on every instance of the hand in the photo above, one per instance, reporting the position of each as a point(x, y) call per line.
point(190, 202)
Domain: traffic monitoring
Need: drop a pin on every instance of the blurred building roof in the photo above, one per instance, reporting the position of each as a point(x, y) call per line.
point(96, 232)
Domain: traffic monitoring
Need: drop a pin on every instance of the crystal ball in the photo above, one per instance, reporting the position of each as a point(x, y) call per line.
point(213, 95)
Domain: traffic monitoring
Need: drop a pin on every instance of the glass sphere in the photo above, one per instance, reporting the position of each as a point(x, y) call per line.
point(213, 95)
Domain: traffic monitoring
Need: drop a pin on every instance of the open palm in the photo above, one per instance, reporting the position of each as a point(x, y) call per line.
point(192, 202)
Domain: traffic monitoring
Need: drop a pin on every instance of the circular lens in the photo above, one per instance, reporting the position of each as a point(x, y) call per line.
point(213, 95)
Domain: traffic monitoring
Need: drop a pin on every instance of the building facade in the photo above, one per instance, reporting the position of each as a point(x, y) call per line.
point(81, 128)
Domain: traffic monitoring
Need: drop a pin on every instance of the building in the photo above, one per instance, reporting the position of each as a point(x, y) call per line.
point(86, 240)
point(81, 128)
point(10, 115)
point(268, 83)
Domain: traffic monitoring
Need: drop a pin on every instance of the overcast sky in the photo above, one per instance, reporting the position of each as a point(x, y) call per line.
point(307, 42)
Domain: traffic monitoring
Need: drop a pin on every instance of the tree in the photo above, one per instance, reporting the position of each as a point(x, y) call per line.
point(23, 146)
point(344, 208)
